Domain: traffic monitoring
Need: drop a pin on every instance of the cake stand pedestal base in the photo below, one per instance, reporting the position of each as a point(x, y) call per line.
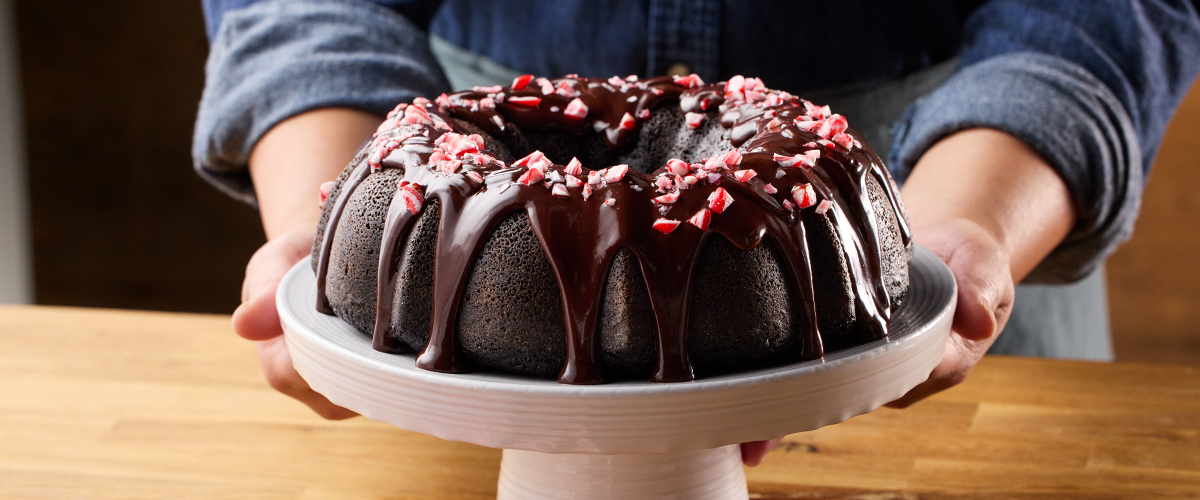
point(714, 474)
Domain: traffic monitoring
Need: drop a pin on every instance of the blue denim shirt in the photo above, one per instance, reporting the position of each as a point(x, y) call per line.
point(1089, 85)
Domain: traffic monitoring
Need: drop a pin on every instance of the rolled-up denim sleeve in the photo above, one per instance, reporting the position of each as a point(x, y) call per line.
point(278, 58)
point(1089, 85)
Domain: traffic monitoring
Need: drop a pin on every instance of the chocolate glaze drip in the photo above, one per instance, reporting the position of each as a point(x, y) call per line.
point(581, 236)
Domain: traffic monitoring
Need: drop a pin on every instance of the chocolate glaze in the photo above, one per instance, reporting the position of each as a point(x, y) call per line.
point(580, 237)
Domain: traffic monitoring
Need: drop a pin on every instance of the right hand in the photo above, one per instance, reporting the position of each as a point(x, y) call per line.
point(258, 320)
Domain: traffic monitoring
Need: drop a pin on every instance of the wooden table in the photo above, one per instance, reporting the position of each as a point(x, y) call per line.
point(101, 404)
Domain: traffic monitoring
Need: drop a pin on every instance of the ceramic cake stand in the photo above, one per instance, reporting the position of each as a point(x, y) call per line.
point(624, 440)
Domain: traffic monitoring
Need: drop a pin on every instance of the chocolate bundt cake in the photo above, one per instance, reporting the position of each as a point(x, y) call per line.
point(599, 230)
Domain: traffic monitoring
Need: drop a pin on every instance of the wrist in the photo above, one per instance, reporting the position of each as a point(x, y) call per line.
point(998, 184)
point(295, 157)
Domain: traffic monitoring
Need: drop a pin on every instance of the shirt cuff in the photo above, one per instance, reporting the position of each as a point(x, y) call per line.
point(1065, 114)
point(279, 58)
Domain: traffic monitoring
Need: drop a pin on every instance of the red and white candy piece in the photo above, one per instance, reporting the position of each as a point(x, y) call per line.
point(526, 101)
point(694, 119)
point(770, 189)
point(576, 109)
point(714, 165)
point(844, 140)
point(732, 158)
point(788, 161)
point(701, 219)
point(668, 198)
point(627, 122)
point(587, 191)
point(412, 195)
point(572, 181)
point(531, 176)
point(664, 183)
point(450, 166)
point(736, 84)
point(744, 175)
point(560, 190)
point(664, 226)
point(529, 159)
point(488, 90)
point(807, 125)
point(823, 207)
point(691, 81)
point(610, 202)
point(595, 177)
point(521, 82)
point(643, 114)
point(832, 126)
point(615, 173)
point(804, 196)
point(573, 167)
point(719, 200)
point(816, 112)
point(678, 167)
point(324, 190)
point(473, 175)
point(809, 158)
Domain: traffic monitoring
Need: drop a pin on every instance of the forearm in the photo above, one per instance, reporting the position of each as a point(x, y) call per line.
point(291, 161)
point(996, 181)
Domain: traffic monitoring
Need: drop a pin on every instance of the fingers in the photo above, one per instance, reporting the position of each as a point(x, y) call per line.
point(256, 318)
point(283, 377)
point(754, 452)
point(984, 301)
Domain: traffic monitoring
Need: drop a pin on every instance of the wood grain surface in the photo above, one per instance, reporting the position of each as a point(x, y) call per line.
point(103, 404)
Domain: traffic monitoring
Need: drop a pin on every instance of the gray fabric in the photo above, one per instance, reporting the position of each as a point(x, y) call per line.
point(1069, 117)
point(262, 66)
point(1060, 321)
point(465, 69)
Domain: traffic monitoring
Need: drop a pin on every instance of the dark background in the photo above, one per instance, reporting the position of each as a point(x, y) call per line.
point(120, 220)
point(118, 217)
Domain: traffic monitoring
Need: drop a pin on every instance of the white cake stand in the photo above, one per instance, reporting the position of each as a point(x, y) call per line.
point(625, 440)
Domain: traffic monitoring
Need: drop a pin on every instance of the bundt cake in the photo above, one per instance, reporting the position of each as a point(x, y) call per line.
point(613, 229)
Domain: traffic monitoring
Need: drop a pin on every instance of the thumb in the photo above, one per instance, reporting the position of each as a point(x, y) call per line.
point(256, 318)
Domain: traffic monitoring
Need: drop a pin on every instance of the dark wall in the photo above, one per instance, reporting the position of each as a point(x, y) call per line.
point(119, 218)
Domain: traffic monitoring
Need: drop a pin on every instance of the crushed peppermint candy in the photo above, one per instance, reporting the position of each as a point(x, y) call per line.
point(664, 183)
point(769, 188)
point(732, 158)
point(573, 167)
point(677, 166)
point(694, 119)
point(412, 194)
point(627, 122)
point(530, 177)
point(719, 200)
point(844, 140)
point(668, 198)
point(587, 191)
point(823, 207)
point(526, 101)
point(701, 219)
point(691, 81)
point(616, 173)
point(520, 82)
point(576, 109)
point(572, 181)
point(324, 190)
point(488, 90)
point(664, 226)
point(610, 202)
point(832, 126)
point(560, 190)
point(643, 114)
point(804, 196)
point(530, 158)
point(473, 175)
point(744, 175)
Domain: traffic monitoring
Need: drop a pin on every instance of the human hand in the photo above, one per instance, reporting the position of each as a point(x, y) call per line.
point(258, 320)
point(985, 299)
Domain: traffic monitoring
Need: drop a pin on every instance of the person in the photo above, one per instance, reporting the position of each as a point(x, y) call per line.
point(1023, 128)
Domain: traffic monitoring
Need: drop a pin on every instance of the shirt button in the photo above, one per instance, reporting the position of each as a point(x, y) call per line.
point(679, 69)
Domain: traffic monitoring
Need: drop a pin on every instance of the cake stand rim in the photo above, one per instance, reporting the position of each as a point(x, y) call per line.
point(528, 385)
